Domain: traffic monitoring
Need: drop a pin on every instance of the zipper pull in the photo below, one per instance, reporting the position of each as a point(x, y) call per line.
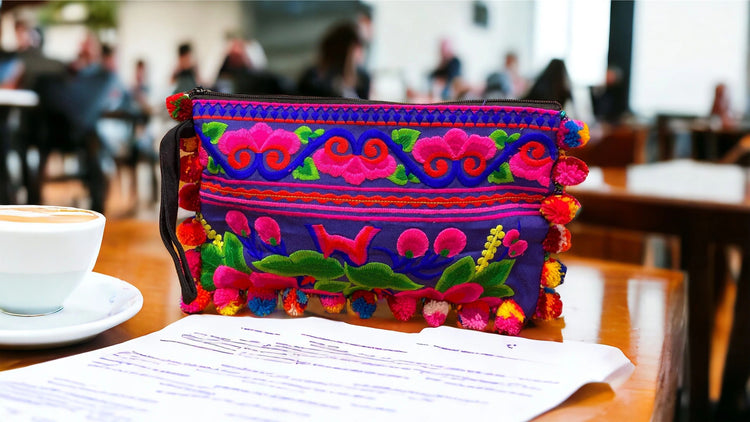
point(198, 90)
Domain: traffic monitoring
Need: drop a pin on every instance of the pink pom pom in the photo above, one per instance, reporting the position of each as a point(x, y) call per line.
point(474, 316)
point(333, 304)
point(509, 318)
point(403, 308)
point(435, 312)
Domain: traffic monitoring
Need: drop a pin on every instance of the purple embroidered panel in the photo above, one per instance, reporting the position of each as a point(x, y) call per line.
point(411, 203)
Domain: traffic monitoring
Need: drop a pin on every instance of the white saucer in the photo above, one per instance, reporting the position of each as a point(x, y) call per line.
point(99, 303)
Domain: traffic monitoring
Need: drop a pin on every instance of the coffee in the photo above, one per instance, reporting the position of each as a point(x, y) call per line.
point(35, 214)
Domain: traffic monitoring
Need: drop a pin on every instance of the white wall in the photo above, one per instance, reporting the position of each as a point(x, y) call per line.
point(408, 34)
point(152, 30)
point(682, 49)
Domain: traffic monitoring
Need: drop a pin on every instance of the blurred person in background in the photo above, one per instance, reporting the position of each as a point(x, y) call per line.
point(338, 72)
point(553, 84)
point(185, 75)
point(448, 69)
point(721, 108)
point(507, 83)
point(234, 68)
point(243, 71)
point(609, 101)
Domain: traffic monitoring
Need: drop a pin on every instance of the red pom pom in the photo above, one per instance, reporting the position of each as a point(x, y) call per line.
point(549, 305)
point(557, 240)
point(199, 304)
point(190, 233)
point(560, 209)
point(180, 107)
point(190, 168)
point(189, 198)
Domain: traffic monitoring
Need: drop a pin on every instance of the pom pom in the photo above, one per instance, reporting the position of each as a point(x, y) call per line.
point(549, 305)
point(402, 307)
point(570, 171)
point(572, 134)
point(560, 209)
point(180, 106)
point(262, 302)
point(201, 300)
point(190, 169)
point(193, 258)
point(294, 301)
point(509, 318)
point(363, 303)
point(435, 312)
point(553, 273)
point(190, 233)
point(333, 304)
point(228, 301)
point(557, 240)
point(474, 315)
point(189, 198)
point(189, 144)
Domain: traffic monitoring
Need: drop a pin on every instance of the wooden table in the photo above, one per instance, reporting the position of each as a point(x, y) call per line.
point(640, 311)
point(702, 226)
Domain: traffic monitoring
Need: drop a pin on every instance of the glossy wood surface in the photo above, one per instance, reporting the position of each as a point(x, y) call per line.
point(703, 227)
point(638, 310)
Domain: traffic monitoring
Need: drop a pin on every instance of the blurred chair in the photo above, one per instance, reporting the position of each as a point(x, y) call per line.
point(65, 122)
point(673, 135)
point(615, 146)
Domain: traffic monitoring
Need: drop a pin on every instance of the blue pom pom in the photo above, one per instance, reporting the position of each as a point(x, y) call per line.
point(363, 308)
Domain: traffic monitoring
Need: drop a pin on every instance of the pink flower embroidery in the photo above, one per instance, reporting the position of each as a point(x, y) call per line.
point(450, 242)
point(515, 245)
point(412, 243)
point(531, 164)
point(279, 143)
point(336, 160)
point(435, 152)
point(238, 223)
point(268, 230)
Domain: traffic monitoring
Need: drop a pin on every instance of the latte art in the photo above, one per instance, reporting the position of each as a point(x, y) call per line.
point(35, 214)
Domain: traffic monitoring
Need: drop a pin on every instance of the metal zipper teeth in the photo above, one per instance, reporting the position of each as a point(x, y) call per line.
point(203, 93)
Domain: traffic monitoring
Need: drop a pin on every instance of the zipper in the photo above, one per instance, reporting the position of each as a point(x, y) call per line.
point(203, 93)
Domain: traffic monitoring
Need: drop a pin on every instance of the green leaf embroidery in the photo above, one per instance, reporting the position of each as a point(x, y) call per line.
point(459, 272)
point(377, 275)
point(501, 175)
point(501, 138)
point(303, 133)
point(307, 171)
point(413, 178)
point(302, 262)
point(332, 286)
point(399, 175)
point(405, 137)
point(495, 274)
point(498, 291)
point(234, 253)
point(211, 257)
point(214, 130)
point(212, 167)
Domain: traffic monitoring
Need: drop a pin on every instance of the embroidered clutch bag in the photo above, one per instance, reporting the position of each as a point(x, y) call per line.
point(432, 209)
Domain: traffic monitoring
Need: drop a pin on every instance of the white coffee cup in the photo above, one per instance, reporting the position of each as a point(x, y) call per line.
point(45, 253)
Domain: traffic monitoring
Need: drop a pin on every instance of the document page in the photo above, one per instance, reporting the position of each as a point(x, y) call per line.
point(266, 369)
